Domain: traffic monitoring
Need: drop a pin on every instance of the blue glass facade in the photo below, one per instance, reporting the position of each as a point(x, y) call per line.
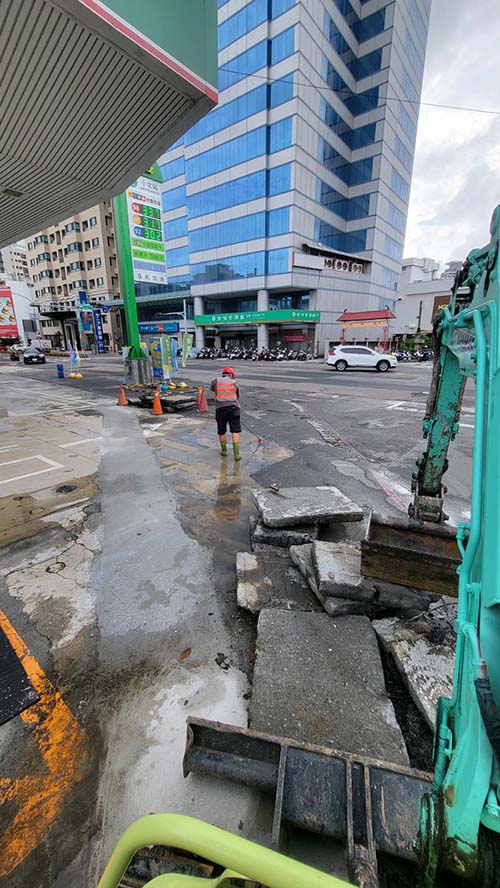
point(303, 149)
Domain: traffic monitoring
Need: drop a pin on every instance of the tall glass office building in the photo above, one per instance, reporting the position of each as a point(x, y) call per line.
point(292, 195)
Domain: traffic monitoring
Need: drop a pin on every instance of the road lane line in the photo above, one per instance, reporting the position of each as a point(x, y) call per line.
point(52, 466)
point(36, 799)
point(80, 441)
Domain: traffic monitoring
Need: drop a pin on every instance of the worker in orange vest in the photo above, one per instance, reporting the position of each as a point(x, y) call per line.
point(227, 410)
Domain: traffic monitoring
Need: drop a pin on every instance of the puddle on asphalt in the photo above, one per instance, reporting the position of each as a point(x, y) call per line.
point(22, 517)
point(213, 493)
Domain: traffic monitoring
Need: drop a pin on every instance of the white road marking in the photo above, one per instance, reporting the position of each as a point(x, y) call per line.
point(10, 447)
point(52, 466)
point(80, 441)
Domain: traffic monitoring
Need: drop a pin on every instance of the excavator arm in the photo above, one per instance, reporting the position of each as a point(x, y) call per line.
point(460, 817)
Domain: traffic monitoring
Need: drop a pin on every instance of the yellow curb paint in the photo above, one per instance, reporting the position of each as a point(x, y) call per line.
point(37, 799)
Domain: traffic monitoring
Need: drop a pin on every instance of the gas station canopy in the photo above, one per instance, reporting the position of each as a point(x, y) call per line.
point(92, 94)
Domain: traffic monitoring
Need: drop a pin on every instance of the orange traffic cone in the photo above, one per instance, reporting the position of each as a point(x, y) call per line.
point(202, 400)
point(157, 408)
point(122, 398)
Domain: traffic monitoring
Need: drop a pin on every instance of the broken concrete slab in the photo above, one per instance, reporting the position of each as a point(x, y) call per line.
point(281, 536)
point(302, 557)
point(271, 580)
point(426, 664)
point(321, 681)
point(337, 569)
point(304, 505)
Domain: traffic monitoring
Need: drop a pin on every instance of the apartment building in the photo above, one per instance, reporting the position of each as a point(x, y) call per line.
point(14, 264)
point(70, 264)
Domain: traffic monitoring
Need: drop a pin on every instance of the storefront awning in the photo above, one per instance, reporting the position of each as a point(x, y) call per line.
point(92, 94)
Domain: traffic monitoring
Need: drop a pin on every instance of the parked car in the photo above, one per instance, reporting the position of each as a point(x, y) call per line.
point(15, 351)
point(33, 355)
point(342, 357)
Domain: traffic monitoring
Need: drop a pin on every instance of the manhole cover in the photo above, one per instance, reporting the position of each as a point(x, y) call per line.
point(66, 488)
point(56, 567)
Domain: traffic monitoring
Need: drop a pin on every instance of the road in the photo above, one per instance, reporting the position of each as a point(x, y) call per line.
point(117, 579)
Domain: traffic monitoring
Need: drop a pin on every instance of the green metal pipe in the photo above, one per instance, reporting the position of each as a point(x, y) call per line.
point(211, 843)
point(126, 272)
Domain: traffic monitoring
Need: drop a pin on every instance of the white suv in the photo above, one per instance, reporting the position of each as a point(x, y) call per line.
point(344, 356)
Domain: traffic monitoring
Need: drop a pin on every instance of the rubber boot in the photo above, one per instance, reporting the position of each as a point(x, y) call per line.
point(236, 451)
point(223, 448)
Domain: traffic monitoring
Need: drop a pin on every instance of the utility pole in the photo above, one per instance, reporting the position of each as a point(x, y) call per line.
point(419, 316)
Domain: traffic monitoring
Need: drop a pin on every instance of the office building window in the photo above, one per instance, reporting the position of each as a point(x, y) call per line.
point(354, 138)
point(176, 197)
point(393, 248)
point(175, 228)
point(242, 22)
point(93, 221)
point(407, 123)
point(246, 63)
point(396, 218)
point(173, 168)
point(230, 268)
point(366, 65)
point(348, 208)
point(409, 89)
point(277, 261)
point(390, 278)
point(282, 46)
point(240, 230)
point(72, 226)
point(336, 39)
point(278, 7)
point(97, 263)
point(90, 264)
point(278, 221)
point(280, 135)
point(245, 147)
point(364, 29)
point(279, 179)
point(414, 56)
point(281, 91)
point(241, 190)
point(95, 241)
point(355, 173)
point(232, 112)
point(402, 154)
point(400, 186)
point(346, 242)
point(179, 256)
point(100, 282)
point(417, 21)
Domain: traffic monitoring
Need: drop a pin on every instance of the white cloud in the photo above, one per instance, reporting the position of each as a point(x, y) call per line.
point(456, 177)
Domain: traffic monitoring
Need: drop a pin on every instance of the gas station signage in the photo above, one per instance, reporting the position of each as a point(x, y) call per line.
point(146, 239)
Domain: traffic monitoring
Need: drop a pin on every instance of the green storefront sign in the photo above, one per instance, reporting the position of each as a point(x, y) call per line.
point(258, 317)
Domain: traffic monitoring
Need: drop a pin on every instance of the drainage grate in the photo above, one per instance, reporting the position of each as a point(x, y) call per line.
point(66, 488)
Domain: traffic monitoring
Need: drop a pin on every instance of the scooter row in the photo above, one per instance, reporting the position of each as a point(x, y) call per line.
point(420, 355)
point(252, 354)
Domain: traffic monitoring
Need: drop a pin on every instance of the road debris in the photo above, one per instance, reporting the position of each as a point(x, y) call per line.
point(305, 505)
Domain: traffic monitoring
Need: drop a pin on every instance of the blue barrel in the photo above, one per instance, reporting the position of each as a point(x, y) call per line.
point(60, 371)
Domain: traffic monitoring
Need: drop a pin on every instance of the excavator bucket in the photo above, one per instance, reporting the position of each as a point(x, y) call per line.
point(411, 553)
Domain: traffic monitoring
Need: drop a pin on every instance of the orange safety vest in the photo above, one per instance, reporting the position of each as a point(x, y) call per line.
point(226, 389)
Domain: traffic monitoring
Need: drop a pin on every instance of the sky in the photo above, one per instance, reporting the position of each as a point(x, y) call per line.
point(456, 176)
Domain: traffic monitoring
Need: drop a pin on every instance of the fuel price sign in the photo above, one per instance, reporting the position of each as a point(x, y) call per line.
point(144, 215)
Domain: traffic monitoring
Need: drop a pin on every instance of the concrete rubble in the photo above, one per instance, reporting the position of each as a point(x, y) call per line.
point(304, 505)
point(281, 536)
point(271, 580)
point(321, 680)
point(424, 653)
point(333, 571)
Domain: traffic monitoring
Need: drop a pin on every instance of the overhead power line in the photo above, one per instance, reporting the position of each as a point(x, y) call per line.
point(339, 92)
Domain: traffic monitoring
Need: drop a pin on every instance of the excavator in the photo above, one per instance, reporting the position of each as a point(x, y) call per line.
point(445, 825)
